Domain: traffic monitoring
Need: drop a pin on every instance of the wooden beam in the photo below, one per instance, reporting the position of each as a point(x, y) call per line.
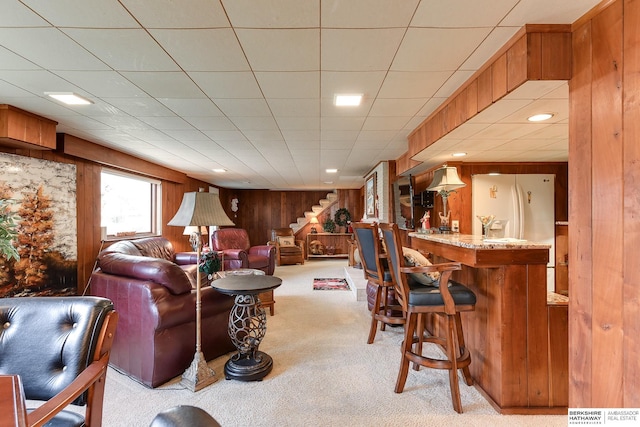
point(21, 129)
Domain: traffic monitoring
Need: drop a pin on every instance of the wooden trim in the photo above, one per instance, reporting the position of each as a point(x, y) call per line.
point(78, 147)
point(21, 129)
point(536, 52)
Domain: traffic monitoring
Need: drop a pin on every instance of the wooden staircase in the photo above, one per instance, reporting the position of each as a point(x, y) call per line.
point(322, 205)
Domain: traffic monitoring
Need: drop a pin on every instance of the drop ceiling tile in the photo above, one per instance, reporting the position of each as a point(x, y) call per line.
point(298, 123)
point(102, 83)
point(342, 123)
point(534, 89)
point(499, 110)
point(345, 136)
point(453, 83)
point(294, 107)
point(243, 107)
point(547, 12)
point(16, 14)
point(491, 44)
point(140, 107)
point(281, 49)
point(342, 82)
point(240, 84)
point(289, 84)
point(167, 123)
point(210, 123)
point(48, 48)
point(203, 49)
point(8, 90)
point(385, 123)
point(408, 84)
point(301, 135)
point(359, 50)
point(85, 14)
point(123, 49)
point(178, 14)
point(440, 49)
point(192, 107)
point(165, 84)
point(186, 135)
point(220, 136)
point(273, 13)
point(11, 61)
point(375, 136)
point(461, 13)
point(397, 107)
point(507, 131)
point(367, 13)
point(558, 107)
point(260, 136)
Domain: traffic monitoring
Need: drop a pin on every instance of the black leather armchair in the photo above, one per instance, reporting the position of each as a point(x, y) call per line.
point(59, 346)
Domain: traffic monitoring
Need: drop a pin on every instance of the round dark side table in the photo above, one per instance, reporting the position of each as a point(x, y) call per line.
point(247, 324)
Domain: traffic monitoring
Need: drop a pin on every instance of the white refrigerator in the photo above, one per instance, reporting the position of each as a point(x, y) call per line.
point(524, 208)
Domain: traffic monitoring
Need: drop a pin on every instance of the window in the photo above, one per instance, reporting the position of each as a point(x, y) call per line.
point(129, 204)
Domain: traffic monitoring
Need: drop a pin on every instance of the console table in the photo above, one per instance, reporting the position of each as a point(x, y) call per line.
point(339, 241)
point(516, 339)
point(247, 325)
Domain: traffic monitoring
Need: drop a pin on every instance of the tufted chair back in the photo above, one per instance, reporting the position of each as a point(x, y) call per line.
point(49, 341)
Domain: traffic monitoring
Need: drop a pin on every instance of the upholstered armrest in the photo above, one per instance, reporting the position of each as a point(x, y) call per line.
point(186, 258)
point(234, 254)
point(263, 250)
point(157, 270)
point(182, 308)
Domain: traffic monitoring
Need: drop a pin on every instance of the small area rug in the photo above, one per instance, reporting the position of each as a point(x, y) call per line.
point(330, 284)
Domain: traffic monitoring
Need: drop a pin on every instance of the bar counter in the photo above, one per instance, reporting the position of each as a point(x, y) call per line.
point(517, 340)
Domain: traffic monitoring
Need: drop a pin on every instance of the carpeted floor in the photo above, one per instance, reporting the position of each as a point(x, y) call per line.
point(330, 284)
point(324, 373)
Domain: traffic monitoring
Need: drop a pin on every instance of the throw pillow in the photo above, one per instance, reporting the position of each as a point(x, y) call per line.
point(286, 241)
point(415, 258)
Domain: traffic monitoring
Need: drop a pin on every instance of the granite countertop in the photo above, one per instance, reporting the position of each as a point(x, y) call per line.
point(476, 242)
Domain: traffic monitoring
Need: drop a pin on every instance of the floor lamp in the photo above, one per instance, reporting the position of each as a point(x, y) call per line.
point(445, 181)
point(199, 209)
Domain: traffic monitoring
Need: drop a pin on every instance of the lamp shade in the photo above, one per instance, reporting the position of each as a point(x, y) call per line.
point(313, 220)
point(191, 229)
point(446, 179)
point(200, 208)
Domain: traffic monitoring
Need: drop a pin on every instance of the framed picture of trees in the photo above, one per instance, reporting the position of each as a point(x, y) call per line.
point(38, 213)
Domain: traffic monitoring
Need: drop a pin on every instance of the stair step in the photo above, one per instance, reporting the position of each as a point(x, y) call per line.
point(315, 210)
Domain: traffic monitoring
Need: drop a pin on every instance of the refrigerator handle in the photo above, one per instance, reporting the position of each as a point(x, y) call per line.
point(520, 229)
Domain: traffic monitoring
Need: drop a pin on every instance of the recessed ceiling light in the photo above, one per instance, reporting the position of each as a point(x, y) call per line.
point(69, 98)
point(347, 100)
point(328, 182)
point(459, 154)
point(540, 117)
point(331, 170)
point(219, 170)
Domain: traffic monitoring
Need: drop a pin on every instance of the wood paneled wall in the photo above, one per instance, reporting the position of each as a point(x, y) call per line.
point(604, 231)
point(261, 210)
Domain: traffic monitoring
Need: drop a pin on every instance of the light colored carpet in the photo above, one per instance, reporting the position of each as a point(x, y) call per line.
point(324, 373)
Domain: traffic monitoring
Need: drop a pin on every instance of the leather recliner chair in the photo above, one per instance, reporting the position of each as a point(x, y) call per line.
point(238, 252)
point(154, 293)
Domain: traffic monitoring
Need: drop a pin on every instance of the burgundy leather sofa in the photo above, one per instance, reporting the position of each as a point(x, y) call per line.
point(153, 290)
point(238, 252)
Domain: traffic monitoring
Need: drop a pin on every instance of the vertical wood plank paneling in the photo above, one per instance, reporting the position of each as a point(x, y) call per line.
point(607, 326)
point(517, 64)
point(499, 78)
point(631, 149)
point(580, 216)
point(515, 361)
point(534, 56)
point(537, 332)
point(472, 98)
point(558, 355)
point(485, 96)
point(556, 56)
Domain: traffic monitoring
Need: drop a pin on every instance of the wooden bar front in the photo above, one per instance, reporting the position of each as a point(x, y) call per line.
point(508, 334)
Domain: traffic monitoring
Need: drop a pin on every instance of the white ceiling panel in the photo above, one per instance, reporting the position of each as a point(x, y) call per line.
point(281, 49)
point(214, 49)
point(249, 86)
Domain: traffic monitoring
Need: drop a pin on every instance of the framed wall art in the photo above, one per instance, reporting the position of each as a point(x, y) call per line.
point(370, 194)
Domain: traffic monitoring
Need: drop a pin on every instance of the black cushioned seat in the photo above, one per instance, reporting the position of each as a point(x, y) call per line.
point(441, 302)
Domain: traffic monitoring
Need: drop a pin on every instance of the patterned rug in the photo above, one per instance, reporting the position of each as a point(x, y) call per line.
point(330, 284)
